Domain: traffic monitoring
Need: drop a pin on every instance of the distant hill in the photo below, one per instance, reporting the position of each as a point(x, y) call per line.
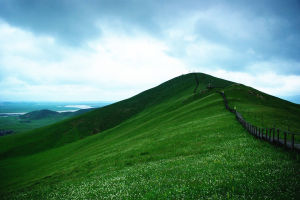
point(45, 113)
point(174, 141)
point(20, 123)
point(39, 114)
point(5, 132)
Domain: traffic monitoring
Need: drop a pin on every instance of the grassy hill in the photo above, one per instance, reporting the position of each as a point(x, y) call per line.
point(264, 110)
point(176, 140)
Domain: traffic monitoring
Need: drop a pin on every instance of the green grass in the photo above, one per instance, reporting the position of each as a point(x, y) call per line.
point(163, 143)
point(18, 125)
point(263, 110)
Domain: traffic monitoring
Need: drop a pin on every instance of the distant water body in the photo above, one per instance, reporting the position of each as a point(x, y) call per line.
point(79, 106)
point(19, 108)
point(11, 114)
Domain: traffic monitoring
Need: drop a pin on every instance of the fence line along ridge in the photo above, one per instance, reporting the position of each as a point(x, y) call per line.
point(273, 135)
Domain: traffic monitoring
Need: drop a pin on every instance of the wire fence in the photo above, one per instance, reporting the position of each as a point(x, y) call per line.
point(273, 135)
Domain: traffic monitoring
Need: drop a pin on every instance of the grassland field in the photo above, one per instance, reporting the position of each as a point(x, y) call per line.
point(165, 143)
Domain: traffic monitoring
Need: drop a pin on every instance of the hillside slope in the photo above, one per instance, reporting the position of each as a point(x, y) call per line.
point(172, 143)
point(103, 118)
point(264, 110)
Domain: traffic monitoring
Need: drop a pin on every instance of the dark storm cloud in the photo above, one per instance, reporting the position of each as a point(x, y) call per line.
point(282, 21)
point(73, 20)
point(272, 27)
point(55, 18)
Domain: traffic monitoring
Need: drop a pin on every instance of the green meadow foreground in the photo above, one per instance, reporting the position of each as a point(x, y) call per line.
point(175, 141)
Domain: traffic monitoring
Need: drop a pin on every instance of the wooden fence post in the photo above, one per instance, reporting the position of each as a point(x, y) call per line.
point(260, 133)
point(285, 139)
point(293, 141)
point(273, 135)
point(278, 136)
point(249, 128)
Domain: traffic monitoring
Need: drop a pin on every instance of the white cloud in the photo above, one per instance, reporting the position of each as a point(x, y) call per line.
point(111, 68)
point(15, 41)
point(268, 81)
point(118, 65)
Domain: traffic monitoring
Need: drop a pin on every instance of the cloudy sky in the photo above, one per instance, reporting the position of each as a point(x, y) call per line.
point(92, 50)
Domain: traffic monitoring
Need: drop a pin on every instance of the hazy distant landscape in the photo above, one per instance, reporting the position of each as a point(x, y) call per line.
point(18, 117)
point(24, 107)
